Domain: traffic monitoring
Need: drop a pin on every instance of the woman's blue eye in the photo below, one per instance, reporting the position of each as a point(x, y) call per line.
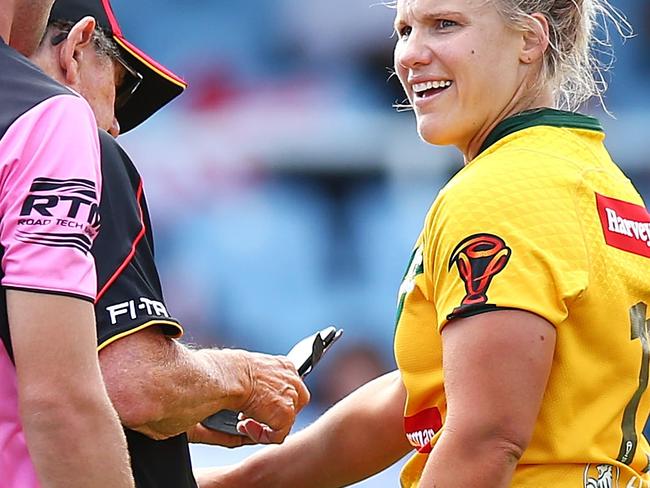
point(444, 24)
point(404, 31)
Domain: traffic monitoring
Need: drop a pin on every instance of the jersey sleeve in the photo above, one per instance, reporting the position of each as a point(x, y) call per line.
point(131, 304)
point(49, 196)
point(129, 296)
point(507, 236)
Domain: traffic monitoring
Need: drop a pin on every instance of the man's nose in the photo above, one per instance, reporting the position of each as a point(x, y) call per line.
point(115, 128)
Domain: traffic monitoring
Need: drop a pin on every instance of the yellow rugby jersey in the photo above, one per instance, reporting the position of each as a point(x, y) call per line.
point(543, 221)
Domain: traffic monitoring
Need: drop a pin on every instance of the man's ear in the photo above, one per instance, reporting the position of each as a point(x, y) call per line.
point(72, 49)
point(536, 39)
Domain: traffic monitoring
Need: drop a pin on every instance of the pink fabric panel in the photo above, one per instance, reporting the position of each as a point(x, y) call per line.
point(51, 169)
point(16, 468)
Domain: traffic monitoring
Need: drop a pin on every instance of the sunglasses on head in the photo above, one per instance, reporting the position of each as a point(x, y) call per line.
point(131, 80)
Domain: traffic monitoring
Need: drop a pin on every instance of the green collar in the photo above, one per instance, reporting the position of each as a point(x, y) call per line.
point(540, 116)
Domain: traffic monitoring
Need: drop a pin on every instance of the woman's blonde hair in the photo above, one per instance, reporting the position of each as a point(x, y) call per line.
point(580, 50)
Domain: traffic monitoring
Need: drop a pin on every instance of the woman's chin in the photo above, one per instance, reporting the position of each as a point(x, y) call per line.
point(435, 136)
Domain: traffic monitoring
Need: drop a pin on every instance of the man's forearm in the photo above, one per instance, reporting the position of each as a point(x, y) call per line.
point(63, 443)
point(72, 431)
point(358, 437)
point(176, 387)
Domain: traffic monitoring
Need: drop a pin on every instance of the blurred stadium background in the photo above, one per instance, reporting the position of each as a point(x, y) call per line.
point(285, 190)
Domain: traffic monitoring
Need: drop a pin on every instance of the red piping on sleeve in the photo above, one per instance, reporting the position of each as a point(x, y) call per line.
point(129, 257)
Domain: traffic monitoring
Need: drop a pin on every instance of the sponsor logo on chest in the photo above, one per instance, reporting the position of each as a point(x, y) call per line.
point(626, 226)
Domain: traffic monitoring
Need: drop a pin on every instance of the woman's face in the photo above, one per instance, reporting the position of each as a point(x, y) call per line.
point(460, 66)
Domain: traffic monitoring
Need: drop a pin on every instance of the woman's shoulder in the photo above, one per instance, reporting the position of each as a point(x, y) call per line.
point(540, 157)
point(514, 178)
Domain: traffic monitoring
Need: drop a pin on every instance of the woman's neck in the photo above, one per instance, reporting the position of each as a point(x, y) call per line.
point(519, 103)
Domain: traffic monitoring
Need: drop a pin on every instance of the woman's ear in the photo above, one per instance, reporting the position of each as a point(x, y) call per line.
point(72, 49)
point(536, 39)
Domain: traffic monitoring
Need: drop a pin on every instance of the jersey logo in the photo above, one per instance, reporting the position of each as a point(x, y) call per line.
point(479, 258)
point(48, 194)
point(600, 477)
point(69, 206)
point(608, 476)
point(422, 427)
point(626, 226)
point(132, 308)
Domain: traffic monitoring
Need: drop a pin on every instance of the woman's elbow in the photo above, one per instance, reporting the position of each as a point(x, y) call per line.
point(502, 441)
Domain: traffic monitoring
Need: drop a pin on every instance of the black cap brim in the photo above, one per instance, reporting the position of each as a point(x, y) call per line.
point(159, 85)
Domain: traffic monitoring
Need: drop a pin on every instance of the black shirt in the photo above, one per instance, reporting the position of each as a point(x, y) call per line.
point(130, 298)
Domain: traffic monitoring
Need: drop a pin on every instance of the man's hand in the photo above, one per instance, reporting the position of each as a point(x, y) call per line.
point(200, 434)
point(271, 397)
point(162, 388)
point(273, 394)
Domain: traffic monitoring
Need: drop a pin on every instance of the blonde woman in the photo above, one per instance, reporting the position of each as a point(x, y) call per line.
point(522, 336)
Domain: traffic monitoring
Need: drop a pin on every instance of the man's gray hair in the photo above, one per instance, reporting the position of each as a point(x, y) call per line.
point(104, 44)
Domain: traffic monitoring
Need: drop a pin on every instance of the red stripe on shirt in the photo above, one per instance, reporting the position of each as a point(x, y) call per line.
point(129, 257)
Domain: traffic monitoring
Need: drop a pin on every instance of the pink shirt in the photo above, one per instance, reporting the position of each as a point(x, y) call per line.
point(49, 194)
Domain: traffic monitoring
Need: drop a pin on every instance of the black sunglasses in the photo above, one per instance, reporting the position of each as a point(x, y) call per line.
point(131, 80)
point(130, 83)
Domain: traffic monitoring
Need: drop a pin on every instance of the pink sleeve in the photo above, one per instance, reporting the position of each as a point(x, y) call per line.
point(49, 195)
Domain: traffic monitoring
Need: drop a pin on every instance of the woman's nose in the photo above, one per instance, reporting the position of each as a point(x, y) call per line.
point(413, 52)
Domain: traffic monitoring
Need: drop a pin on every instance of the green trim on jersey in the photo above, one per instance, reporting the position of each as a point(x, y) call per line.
point(540, 116)
point(414, 268)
